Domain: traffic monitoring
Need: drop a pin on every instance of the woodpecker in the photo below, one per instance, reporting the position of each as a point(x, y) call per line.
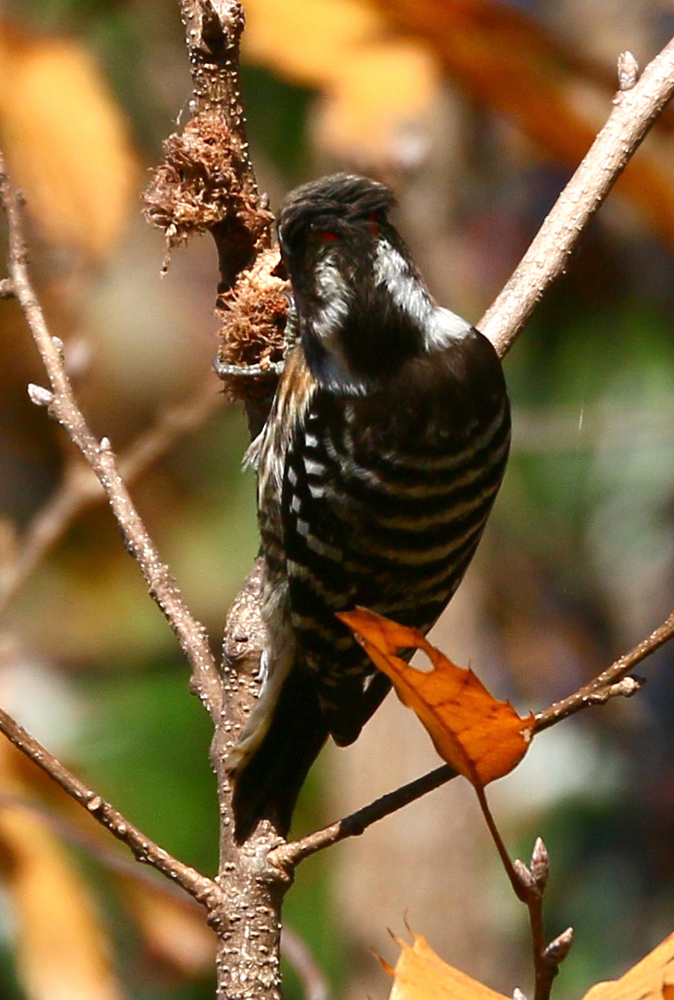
point(377, 468)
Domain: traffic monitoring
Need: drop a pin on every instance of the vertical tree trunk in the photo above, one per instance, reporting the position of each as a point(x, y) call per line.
point(249, 927)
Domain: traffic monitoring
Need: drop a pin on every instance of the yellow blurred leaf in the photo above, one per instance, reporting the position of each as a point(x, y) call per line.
point(308, 41)
point(380, 91)
point(65, 140)
point(508, 61)
point(374, 81)
point(62, 950)
point(481, 738)
point(420, 974)
point(173, 928)
point(378, 66)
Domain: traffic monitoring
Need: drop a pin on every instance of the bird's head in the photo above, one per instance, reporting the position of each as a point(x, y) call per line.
point(341, 216)
point(358, 297)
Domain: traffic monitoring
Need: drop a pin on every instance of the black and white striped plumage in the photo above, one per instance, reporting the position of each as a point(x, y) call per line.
point(378, 466)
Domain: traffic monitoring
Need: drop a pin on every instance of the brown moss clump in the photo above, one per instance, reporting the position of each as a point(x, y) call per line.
point(204, 186)
point(253, 314)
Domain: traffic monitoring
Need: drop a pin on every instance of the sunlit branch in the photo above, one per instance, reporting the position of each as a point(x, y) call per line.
point(61, 404)
point(635, 110)
point(611, 682)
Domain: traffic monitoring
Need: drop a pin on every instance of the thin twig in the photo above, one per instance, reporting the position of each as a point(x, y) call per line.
point(201, 888)
point(288, 856)
point(634, 112)
point(528, 883)
point(610, 682)
point(80, 488)
point(63, 407)
point(516, 881)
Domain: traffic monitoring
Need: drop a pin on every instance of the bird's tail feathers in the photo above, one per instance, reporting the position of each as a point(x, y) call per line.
point(356, 705)
point(268, 780)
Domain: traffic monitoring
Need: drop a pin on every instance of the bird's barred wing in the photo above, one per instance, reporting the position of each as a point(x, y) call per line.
point(315, 542)
point(425, 507)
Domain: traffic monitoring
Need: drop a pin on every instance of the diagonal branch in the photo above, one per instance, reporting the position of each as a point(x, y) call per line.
point(288, 856)
point(635, 109)
point(201, 888)
point(610, 683)
point(62, 405)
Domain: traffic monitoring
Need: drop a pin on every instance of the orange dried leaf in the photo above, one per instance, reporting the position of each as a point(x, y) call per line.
point(650, 979)
point(420, 974)
point(480, 737)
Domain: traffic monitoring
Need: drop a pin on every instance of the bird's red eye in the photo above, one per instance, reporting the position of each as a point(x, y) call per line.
point(373, 226)
point(325, 235)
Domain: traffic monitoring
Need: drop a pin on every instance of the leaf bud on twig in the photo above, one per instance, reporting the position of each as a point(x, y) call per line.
point(526, 879)
point(557, 950)
point(628, 71)
point(540, 864)
point(39, 395)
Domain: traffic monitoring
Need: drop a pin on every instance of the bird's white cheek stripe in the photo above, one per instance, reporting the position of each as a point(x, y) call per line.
point(335, 292)
point(327, 325)
point(439, 326)
point(392, 271)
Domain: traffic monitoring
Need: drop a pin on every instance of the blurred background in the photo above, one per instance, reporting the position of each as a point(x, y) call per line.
point(476, 111)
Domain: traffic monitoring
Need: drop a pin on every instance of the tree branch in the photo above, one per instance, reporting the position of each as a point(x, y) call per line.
point(62, 405)
point(203, 889)
point(635, 110)
point(611, 683)
point(207, 184)
point(288, 856)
